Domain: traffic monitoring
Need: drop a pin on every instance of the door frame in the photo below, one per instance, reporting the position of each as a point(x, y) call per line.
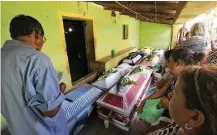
point(73, 16)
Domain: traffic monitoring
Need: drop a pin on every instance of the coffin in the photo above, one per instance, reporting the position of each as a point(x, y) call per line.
point(117, 119)
point(120, 107)
point(155, 58)
point(124, 101)
point(147, 51)
point(112, 79)
point(79, 104)
point(136, 59)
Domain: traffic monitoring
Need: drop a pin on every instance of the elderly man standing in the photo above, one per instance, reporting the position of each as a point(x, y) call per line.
point(30, 94)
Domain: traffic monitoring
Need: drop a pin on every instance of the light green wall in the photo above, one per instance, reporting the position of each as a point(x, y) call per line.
point(155, 35)
point(107, 35)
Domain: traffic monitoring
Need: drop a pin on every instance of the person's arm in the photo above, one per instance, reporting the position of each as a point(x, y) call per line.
point(157, 94)
point(42, 90)
point(181, 35)
point(62, 87)
point(165, 102)
point(139, 109)
point(53, 112)
point(161, 83)
point(160, 92)
point(213, 45)
point(176, 45)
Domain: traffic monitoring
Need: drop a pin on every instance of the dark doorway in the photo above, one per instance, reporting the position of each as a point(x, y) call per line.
point(75, 37)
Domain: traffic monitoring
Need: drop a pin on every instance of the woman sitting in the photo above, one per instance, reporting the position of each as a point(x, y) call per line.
point(195, 96)
point(166, 76)
point(178, 60)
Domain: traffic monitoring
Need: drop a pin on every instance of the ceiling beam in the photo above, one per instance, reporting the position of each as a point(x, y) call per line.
point(179, 9)
point(145, 2)
point(149, 14)
point(160, 20)
point(159, 4)
point(170, 22)
point(160, 11)
point(168, 2)
point(165, 10)
point(138, 5)
point(129, 4)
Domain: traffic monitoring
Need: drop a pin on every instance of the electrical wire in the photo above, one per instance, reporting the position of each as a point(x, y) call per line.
point(133, 11)
point(128, 6)
point(155, 6)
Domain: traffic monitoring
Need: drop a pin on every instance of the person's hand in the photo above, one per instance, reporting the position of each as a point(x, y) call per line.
point(62, 87)
point(164, 102)
point(214, 45)
point(170, 95)
point(169, 83)
point(140, 107)
point(182, 30)
point(176, 45)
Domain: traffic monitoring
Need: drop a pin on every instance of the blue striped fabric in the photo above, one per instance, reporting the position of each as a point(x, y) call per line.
point(72, 109)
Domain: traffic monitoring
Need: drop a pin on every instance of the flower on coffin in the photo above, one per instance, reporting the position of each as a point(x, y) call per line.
point(123, 81)
point(137, 70)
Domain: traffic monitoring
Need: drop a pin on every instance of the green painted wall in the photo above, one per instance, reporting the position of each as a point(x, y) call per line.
point(107, 35)
point(155, 35)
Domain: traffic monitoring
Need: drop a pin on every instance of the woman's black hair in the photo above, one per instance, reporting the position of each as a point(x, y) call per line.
point(201, 95)
point(187, 56)
point(22, 25)
point(167, 54)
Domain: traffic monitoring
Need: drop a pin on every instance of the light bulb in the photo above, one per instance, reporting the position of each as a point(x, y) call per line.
point(70, 29)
